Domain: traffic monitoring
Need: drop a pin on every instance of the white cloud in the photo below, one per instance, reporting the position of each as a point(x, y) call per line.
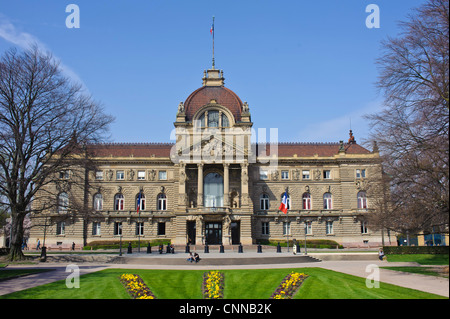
point(26, 40)
point(337, 129)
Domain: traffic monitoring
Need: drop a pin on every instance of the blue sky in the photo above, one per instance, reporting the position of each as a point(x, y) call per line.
point(304, 67)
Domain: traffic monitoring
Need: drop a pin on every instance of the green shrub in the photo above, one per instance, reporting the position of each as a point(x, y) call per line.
point(405, 250)
point(313, 243)
point(115, 244)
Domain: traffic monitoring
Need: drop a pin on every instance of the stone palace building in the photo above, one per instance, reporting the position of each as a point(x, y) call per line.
point(215, 185)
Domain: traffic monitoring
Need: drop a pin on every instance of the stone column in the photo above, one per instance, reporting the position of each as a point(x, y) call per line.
point(244, 184)
point(226, 185)
point(200, 185)
point(182, 195)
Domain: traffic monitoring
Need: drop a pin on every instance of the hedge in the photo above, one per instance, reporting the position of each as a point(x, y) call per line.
point(115, 244)
point(313, 243)
point(405, 250)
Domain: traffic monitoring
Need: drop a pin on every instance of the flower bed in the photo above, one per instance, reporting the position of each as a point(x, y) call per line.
point(213, 283)
point(289, 286)
point(136, 287)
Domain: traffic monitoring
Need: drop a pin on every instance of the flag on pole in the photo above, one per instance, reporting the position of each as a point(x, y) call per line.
point(212, 27)
point(139, 202)
point(283, 206)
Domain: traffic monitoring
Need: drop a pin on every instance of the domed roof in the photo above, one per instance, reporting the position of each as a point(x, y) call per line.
point(213, 94)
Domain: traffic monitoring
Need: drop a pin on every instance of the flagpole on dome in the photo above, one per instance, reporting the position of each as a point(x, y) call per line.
point(212, 32)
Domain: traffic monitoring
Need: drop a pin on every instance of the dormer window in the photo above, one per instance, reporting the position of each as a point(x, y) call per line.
point(214, 118)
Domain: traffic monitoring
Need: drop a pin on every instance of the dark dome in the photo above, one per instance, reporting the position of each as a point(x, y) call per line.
point(220, 94)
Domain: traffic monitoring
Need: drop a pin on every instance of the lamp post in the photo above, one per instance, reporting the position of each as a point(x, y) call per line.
point(120, 236)
point(306, 252)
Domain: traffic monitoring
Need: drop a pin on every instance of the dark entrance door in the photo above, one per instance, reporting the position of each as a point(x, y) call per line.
point(213, 232)
point(235, 232)
point(191, 230)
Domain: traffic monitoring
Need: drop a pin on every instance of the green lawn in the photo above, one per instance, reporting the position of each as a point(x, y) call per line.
point(423, 259)
point(239, 284)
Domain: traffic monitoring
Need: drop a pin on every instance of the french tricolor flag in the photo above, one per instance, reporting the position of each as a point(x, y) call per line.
point(138, 202)
point(283, 206)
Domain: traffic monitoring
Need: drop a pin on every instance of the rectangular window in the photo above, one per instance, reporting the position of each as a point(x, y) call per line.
point(120, 175)
point(60, 228)
point(264, 202)
point(326, 174)
point(329, 226)
point(99, 175)
point(161, 229)
point(286, 228)
point(284, 174)
point(263, 174)
point(308, 228)
point(141, 175)
point(118, 229)
point(96, 228)
point(360, 173)
point(305, 174)
point(265, 228)
point(162, 175)
point(139, 229)
point(364, 229)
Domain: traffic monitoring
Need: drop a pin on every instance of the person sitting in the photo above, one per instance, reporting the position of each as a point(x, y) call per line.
point(381, 254)
point(191, 257)
point(196, 257)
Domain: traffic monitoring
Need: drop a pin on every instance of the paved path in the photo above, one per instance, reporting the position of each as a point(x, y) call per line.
point(431, 284)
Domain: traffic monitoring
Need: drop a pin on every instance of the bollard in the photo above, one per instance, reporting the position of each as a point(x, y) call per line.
point(259, 248)
point(149, 249)
point(160, 248)
point(206, 249)
point(130, 250)
point(187, 250)
point(278, 248)
point(222, 249)
point(168, 249)
point(241, 249)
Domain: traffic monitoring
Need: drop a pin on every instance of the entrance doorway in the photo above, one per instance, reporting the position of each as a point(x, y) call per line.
point(235, 232)
point(191, 230)
point(213, 231)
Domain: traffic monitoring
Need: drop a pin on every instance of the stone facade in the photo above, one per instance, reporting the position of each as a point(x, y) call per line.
point(213, 185)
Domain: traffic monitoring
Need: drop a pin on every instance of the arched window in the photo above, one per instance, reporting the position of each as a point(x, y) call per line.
point(63, 202)
point(162, 202)
point(213, 118)
point(327, 201)
point(225, 121)
point(98, 202)
point(362, 200)
point(140, 202)
point(264, 202)
point(118, 202)
point(306, 198)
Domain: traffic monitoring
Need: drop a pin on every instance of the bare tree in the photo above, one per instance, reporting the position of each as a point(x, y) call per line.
point(45, 119)
point(412, 129)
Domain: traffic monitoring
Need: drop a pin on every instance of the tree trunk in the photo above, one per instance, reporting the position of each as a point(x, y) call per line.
point(15, 252)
